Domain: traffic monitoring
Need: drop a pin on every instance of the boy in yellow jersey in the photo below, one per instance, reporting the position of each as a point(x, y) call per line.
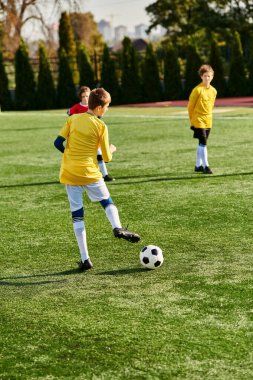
point(81, 107)
point(85, 133)
point(200, 108)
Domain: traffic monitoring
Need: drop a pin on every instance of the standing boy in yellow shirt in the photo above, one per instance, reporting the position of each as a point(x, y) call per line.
point(85, 133)
point(200, 108)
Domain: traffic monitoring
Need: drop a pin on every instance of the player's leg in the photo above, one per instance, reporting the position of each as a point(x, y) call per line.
point(204, 153)
point(75, 196)
point(102, 167)
point(98, 192)
point(199, 164)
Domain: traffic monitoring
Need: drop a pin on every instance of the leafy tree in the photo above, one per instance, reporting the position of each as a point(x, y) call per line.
point(172, 79)
point(152, 90)
point(193, 63)
point(86, 31)
point(15, 14)
point(219, 81)
point(186, 17)
point(66, 92)
point(237, 83)
point(5, 100)
point(108, 76)
point(45, 89)
point(178, 17)
point(25, 92)
point(67, 42)
point(130, 78)
point(86, 72)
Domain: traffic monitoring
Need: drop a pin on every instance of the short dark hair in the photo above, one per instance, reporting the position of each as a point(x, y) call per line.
point(98, 97)
point(204, 69)
point(83, 89)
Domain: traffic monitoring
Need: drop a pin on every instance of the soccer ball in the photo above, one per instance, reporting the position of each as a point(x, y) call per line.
point(151, 257)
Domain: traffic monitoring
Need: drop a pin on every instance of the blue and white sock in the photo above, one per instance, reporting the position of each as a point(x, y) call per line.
point(113, 216)
point(80, 232)
point(198, 157)
point(204, 155)
point(102, 167)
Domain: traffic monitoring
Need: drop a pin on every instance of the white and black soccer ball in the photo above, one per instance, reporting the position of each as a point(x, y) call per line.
point(151, 257)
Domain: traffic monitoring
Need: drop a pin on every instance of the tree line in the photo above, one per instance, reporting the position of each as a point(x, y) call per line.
point(164, 72)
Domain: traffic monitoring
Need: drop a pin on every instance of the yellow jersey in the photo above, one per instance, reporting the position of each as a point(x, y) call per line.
point(84, 133)
point(200, 106)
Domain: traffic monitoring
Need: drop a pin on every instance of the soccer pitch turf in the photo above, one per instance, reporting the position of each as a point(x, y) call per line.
point(191, 318)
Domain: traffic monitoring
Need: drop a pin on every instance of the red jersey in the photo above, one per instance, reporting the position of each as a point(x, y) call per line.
point(78, 108)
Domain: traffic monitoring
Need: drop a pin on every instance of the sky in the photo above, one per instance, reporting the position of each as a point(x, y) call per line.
point(119, 12)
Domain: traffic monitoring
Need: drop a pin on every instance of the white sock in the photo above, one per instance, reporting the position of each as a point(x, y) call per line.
point(102, 168)
point(113, 216)
point(203, 154)
point(80, 233)
point(198, 157)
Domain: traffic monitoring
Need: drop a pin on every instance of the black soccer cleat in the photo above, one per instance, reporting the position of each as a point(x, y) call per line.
point(207, 170)
point(199, 169)
point(121, 233)
point(108, 178)
point(85, 265)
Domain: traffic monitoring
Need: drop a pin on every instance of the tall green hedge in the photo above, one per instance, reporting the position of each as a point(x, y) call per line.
point(108, 76)
point(219, 81)
point(66, 92)
point(151, 85)
point(250, 70)
point(25, 92)
point(67, 42)
point(46, 97)
point(86, 72)
point(237, 82)
point(130, 77)
point(5, 99)
point(193, 63)
point(172, 79)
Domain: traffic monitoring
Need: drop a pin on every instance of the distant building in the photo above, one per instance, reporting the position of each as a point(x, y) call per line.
point(106, 30)
point(140, 31)
point(120, 32)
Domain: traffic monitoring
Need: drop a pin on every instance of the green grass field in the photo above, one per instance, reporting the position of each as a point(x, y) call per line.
point(190, 319)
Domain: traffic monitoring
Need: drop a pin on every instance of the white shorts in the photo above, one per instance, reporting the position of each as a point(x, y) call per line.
point(96, 191)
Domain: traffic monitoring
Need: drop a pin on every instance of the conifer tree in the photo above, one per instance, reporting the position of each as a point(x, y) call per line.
point(45, 89)
point(250, 70)
point(108, 76)
point(25, 92)
point(152, 89)
point(218, 81)
point(5, 99)
point(237, 83)
point(130, 78)
point(66, 92)
point(67, 42)
point(193, 63)
point(86, 72)
point(172, 79)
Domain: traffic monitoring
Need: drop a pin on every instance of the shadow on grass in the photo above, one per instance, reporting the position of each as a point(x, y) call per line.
point(142, 179)
point(19, 284)
point(12, 282)
point(119, 272)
